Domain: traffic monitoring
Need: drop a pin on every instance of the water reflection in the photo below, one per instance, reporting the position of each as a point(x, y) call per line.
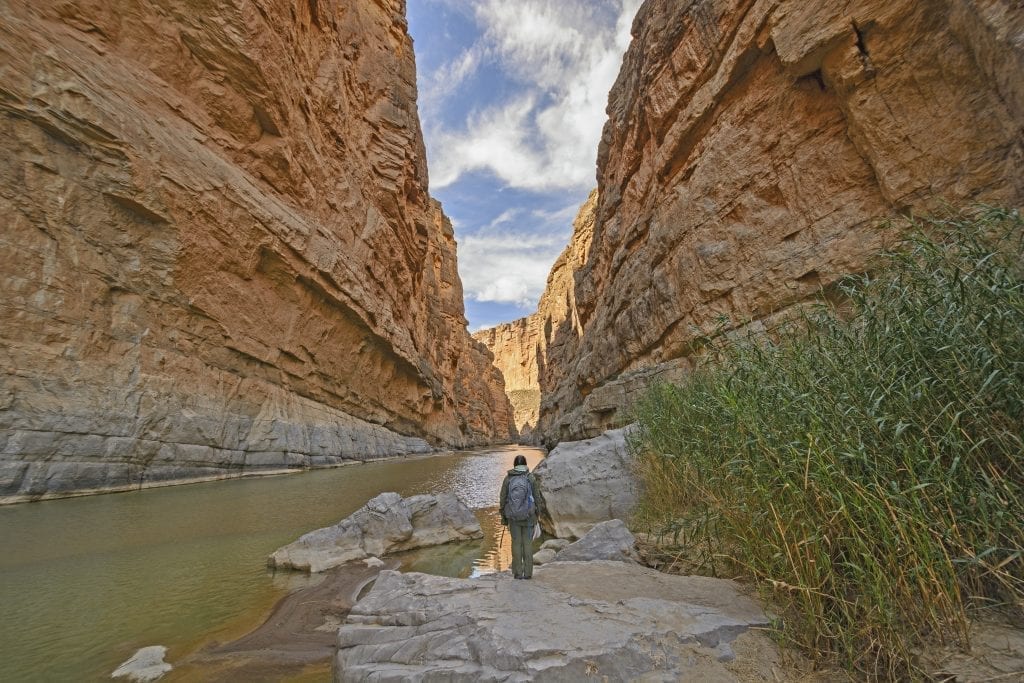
point(492, 553)
point(84, 582)
point(477, 481)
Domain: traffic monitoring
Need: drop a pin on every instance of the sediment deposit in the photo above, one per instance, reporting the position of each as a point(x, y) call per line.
point(219, 253)
point(751, 150)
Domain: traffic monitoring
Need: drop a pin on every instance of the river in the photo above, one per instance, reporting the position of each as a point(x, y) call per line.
point(85, 582)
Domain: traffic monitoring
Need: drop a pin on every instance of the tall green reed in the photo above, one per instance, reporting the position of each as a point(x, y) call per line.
point(866, 468)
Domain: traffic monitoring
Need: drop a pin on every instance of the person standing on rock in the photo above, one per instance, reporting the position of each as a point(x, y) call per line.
point(520, 502)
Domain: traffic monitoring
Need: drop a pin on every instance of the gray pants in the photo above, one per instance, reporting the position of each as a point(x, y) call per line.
point(522, 548)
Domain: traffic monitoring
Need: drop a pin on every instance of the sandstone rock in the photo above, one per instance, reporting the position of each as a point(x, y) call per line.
point(586, 482)
point(219, 254)
point(571, 622)
point(387, 523)
point(145, 665)
point(609, 540)
point(750, 149)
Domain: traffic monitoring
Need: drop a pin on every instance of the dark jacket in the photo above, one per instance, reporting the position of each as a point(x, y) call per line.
point(538, 498)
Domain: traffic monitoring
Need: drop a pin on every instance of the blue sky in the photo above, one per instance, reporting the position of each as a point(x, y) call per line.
point(512, 96)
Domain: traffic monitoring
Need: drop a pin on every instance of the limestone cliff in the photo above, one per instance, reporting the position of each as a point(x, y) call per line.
point(750, 149)
point(521, 348)
point(218, 251)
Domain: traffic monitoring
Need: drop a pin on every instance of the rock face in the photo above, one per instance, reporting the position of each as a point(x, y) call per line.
point(573, 621)
point(219, 253)
point(587, 482)
point(387, 523)
point(750, 150)
point(521, 347)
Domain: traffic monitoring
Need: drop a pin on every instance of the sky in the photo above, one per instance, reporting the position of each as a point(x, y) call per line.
point(512, 97)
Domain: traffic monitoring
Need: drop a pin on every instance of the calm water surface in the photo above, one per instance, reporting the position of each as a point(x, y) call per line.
point(85, 582)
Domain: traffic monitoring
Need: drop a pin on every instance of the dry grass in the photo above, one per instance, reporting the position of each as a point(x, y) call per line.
point(868, 471)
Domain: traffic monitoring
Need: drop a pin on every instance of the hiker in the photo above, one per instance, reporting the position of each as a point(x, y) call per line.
point(520, 502)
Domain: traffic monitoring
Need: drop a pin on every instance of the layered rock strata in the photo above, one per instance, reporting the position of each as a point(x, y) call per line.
point(751, 149)
point(218, 253)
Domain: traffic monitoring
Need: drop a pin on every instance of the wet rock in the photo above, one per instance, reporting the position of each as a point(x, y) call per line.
point(572, 621)
point(387, 523)
point(587, 482)
point(145, 665)
point(609, 540)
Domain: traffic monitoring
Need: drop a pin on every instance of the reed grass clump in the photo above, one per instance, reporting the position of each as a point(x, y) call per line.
point(867, 469)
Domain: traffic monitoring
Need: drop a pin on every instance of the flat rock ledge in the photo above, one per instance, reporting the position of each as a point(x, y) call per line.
point(574, 621)
point(387, 523)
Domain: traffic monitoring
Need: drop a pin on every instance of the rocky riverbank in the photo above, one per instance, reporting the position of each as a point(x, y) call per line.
point(573, 621)
point(296, 641)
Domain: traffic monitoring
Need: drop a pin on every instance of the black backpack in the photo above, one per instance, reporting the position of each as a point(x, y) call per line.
point(519, 503)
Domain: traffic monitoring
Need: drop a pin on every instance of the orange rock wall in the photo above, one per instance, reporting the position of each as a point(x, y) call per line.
point(522, 347)
point(218, 250)
point(751, 147)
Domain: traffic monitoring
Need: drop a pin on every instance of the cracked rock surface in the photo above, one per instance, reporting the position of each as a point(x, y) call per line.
point(574, 620)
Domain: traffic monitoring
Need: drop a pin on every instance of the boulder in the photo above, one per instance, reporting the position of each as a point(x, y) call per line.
point(574, 620)
point(543, 556)
point(145, 665)
point(609, 540)
point(586, 482)
point(555, 544)
point(387, 523)
point(549, 549)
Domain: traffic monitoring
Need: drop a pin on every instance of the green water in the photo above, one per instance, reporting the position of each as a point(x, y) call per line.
point(85, 582)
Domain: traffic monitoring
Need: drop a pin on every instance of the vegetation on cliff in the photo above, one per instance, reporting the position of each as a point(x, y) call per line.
point(866, 467)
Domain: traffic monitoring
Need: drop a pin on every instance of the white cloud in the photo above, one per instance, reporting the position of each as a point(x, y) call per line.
point(446, 79)
point(506, 216)
point(508, 267)
point(509, 260)
point(565, 55)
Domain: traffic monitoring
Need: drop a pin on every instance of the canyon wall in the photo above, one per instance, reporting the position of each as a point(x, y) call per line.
point(218, 252)
point(751, 149)
point(521, 348)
